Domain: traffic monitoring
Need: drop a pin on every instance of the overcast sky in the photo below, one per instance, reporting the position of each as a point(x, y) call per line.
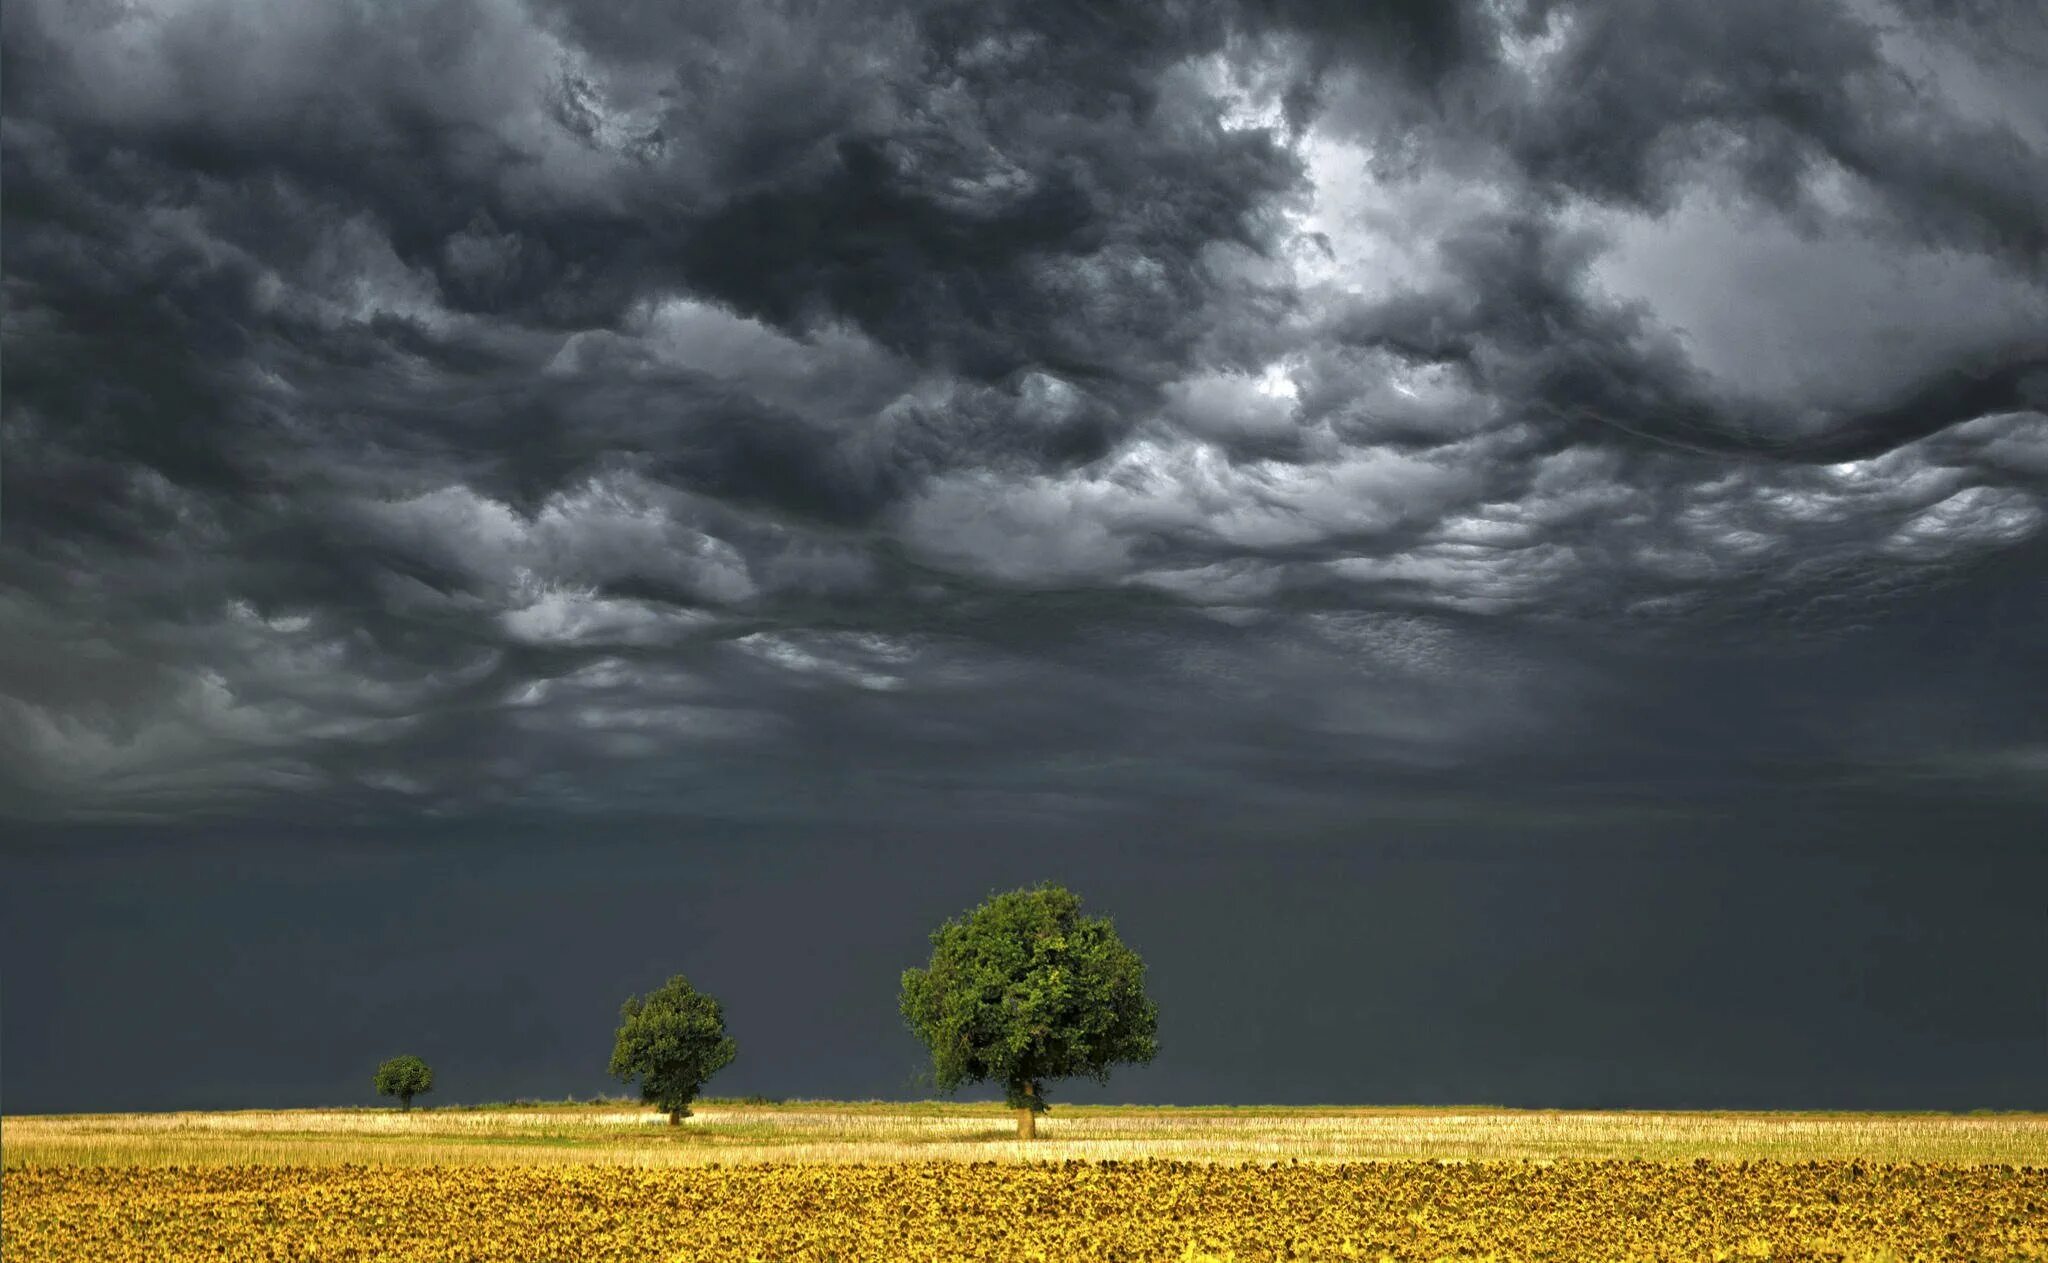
point(1515, 533)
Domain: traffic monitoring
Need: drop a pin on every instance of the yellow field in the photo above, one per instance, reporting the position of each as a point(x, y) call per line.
point(833, 1132)
point(836, 1182)
point(1061, 1212)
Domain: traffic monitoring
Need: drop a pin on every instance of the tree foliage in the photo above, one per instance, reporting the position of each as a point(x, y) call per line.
point(1024, 989)
point(672, 1040)
point(404, 1077)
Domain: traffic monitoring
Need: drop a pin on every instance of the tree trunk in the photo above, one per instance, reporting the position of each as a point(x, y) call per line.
point(675, 1118)
point(1027, 1118)
point(405, 1102)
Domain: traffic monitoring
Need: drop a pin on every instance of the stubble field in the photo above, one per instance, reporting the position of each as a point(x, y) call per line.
point(847, 1182)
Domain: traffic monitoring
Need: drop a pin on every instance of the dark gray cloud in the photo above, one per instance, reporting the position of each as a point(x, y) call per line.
point(1528, 518)
point(762, 411)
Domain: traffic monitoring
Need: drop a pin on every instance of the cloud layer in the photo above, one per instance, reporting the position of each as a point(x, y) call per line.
point(757, 410)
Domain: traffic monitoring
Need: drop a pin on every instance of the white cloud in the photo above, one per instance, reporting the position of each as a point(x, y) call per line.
point(1813, 320)
point(866, 661)
point(1227, 406)
point(605, 529)
point(1088, 525)
point(568, 616)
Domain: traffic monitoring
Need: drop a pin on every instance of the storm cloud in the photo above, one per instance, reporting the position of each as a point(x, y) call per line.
point(775, 410)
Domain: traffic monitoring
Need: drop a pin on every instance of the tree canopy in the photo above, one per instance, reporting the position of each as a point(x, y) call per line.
point(1024, 989)
point(404, 1077)
point(672, 1040)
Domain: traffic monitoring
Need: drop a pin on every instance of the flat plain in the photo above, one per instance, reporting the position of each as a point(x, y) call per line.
point(816, 1181)
point(614, 1133)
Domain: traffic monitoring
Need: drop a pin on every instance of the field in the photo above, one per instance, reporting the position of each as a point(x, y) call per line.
point(848, 1182)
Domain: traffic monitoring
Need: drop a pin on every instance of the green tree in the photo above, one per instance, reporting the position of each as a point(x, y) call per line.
point(405, 1078)
point(672, 1040)
point(1024, 989)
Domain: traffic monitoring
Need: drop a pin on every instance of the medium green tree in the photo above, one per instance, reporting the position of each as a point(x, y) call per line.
point(405, 1078)
point(1024, 989)
point(672, 1040)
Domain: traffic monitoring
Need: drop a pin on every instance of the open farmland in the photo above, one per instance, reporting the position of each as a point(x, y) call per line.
point(826, 1181)
point(1041, 1211)
point(896, 1132)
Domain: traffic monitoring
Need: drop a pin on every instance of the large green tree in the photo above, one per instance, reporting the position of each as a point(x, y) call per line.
point(404, 1077)
point(672, 1040)
point(1023, 990)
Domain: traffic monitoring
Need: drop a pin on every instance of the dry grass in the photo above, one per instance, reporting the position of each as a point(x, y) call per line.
point(880, 1133)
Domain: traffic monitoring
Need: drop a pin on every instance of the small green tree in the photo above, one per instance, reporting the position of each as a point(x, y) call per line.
point(672, 1040)
point(1025, 989)
point(405, 1078)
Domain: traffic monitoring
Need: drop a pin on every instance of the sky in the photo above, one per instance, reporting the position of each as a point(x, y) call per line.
point(1505, 542)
